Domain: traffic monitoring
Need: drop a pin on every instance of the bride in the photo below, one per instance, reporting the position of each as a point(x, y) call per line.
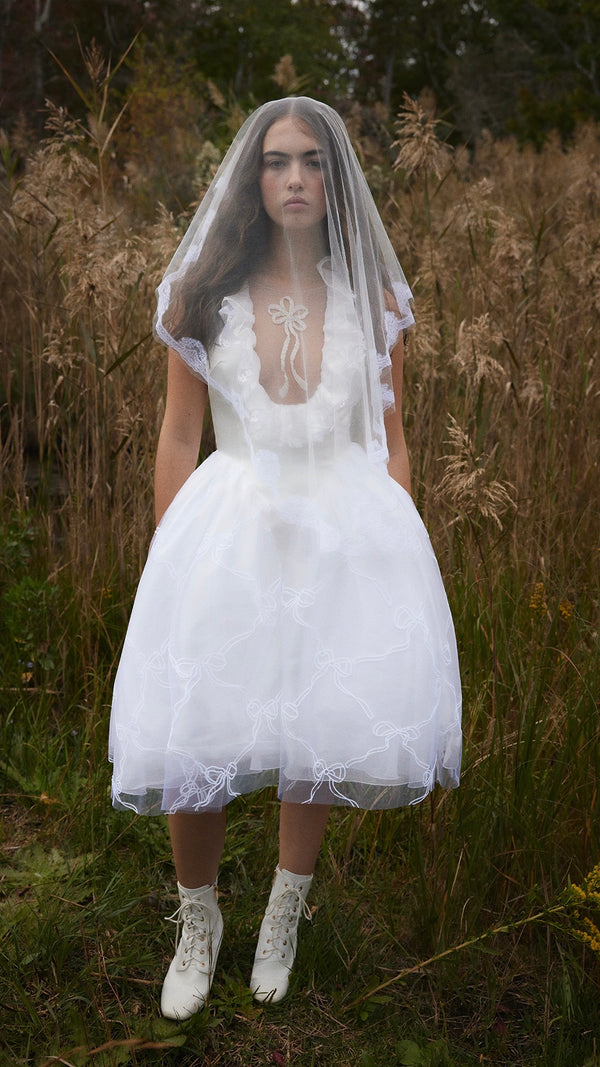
point(290, 627)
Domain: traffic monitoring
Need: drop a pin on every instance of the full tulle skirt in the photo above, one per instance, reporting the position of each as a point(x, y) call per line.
point(302, 641)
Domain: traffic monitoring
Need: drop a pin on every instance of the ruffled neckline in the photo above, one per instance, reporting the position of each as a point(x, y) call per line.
point(236, 367)
point(342, 337)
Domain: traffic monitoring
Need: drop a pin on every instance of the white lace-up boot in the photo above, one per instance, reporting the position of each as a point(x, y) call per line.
point(189, 978)
point(278, 937)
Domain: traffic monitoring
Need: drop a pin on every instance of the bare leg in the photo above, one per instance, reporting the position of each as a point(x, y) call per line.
point(197, 842)
point(301, 829)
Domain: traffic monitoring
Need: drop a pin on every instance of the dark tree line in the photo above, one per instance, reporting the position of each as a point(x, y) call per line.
point(525, 66)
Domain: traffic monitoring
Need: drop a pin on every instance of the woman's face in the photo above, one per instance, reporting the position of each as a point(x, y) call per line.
point(291, 177)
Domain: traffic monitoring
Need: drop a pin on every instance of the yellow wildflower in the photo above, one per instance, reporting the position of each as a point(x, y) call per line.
point(577, 892)
point(537, 600)
point(592, 880)
point(590, 935)
point(588, 894)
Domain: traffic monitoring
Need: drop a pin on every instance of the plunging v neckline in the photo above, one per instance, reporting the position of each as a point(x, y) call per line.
point(245, 293)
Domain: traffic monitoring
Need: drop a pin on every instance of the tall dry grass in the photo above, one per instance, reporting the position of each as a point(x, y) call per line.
point(505, 256)
point(82, 382)
point(502, 372)
point(503, 387)
point(502, 247)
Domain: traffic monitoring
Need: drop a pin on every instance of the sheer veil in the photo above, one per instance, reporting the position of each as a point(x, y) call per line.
point(338, 301)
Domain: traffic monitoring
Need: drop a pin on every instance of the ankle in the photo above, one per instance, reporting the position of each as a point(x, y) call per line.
point(193, 891)
point(294, 876)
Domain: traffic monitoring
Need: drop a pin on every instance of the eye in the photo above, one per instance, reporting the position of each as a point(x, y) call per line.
point(317, 163)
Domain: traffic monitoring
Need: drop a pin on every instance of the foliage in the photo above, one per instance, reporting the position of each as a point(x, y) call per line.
point(521, 66)
point(562, 44)
point(239, 43)
point(412, 46)
point(158, 142)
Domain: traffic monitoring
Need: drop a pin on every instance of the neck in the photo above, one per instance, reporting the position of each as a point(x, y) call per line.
point(294, 259)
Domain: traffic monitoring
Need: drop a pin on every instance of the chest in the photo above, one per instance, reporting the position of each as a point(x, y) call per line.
point(289, 332)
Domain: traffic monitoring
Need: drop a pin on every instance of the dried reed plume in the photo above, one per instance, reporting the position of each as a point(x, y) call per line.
point(286, 77)
point(472, 356)
point(468, 486)
point(420, 149)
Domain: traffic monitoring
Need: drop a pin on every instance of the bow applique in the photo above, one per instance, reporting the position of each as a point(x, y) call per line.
point(292, 317)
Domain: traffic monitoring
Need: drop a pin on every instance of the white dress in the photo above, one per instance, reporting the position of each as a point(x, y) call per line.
point(291, 626)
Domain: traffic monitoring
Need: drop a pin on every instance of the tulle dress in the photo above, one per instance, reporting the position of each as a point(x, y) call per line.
point(290, 627)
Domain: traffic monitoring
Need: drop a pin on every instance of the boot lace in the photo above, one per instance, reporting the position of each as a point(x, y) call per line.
point(283, 914)
point(195, 945)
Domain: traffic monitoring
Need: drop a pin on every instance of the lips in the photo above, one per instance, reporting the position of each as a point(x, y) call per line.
point(295, 200)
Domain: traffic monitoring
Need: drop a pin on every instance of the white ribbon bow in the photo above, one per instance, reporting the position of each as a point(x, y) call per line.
point(291, 316)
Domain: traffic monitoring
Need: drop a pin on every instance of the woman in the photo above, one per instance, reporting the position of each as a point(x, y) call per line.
point(291, 626)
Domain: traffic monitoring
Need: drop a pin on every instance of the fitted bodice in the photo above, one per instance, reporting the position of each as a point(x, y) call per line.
point(247, 419)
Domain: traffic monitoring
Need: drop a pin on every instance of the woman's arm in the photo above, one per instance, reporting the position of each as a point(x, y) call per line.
point(181, 433)
point(398, 465)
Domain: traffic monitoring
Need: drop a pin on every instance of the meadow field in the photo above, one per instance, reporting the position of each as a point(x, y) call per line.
point(459, 932)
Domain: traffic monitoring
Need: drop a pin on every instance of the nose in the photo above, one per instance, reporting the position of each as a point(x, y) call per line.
point(295, 175)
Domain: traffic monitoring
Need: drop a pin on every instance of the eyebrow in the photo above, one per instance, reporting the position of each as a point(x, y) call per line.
point(312, 152)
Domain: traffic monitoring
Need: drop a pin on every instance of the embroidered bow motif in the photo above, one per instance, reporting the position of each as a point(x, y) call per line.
point(291, 316)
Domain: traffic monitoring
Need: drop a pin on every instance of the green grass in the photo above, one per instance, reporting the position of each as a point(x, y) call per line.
point(85, 891)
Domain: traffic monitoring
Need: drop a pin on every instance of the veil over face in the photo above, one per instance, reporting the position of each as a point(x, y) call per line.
point(289, 227)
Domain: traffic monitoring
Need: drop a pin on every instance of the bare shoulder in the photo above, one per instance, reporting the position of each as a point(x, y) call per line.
point(182, 382)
